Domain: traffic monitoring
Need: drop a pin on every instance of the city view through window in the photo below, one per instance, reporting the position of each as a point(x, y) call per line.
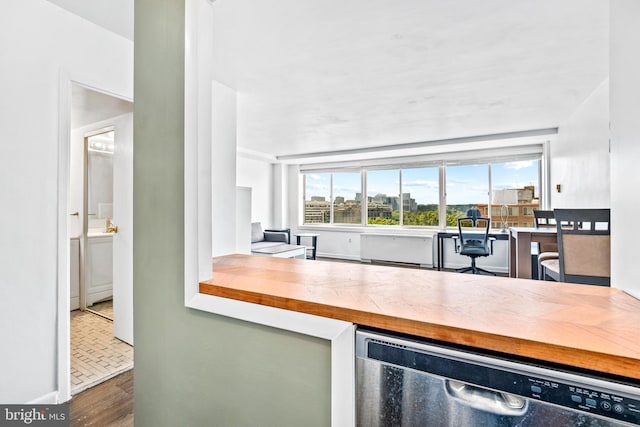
point(410, 196)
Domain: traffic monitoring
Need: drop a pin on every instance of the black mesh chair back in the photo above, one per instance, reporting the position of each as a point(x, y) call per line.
point(474, 241)
point(474, 214)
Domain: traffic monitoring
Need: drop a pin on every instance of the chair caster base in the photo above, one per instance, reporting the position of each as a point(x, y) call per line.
point(475, 270)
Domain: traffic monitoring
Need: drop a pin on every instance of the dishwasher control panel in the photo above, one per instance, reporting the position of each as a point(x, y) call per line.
point(585, 398)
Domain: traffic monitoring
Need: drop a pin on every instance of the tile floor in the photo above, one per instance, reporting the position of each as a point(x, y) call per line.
point(96, 355)
point(105, 308)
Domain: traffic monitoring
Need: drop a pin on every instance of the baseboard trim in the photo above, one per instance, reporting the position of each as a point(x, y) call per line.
point(634, 294)
point(49, 398)
point(337, 256)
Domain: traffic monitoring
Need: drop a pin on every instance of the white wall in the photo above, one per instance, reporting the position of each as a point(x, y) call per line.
point(258, 175)
point(40, 44)
point(223, 169)
point(580, 155)
point(625, 142)
point(280, 201)
point(243, 220)
point(340, 244)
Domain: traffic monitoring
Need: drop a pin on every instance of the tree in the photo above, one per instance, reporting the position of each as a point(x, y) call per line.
point(452, 218)
point(383, 221)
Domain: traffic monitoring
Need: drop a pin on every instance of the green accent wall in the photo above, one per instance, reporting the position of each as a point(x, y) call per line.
point(194, 368)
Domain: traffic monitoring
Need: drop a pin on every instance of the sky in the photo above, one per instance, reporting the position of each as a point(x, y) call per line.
point(466, 184)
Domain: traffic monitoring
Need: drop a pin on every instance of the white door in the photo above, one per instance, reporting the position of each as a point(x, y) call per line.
point(123, 219)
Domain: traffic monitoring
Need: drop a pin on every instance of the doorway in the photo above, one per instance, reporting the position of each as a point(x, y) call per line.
point(101, 326)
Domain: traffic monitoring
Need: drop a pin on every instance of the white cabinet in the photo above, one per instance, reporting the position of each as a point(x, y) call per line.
point(99, 268)
point(74, 273)
point(416, 249)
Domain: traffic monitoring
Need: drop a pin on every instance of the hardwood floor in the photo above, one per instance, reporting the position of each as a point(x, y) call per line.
point(109, 404)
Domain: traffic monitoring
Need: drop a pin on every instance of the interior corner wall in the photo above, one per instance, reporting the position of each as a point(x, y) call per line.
point(194, 368)
point(293, 195)
point(40, 43)
point(257, 174)
point(223, 169)
point(580, 157)
point(625, 142)
point(280, 200)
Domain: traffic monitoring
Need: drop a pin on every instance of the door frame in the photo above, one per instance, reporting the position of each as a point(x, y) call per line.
point(63, 322)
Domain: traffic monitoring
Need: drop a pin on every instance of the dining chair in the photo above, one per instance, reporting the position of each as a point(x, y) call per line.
point(584, 247)
point(545, 219)
point(474, 244)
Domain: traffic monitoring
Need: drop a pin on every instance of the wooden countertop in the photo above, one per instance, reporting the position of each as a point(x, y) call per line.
point(589, 327)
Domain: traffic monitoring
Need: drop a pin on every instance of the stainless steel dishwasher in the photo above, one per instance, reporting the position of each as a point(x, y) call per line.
point(407, 382)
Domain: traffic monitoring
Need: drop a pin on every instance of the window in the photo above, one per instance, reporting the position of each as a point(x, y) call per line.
point(515, 192)
point(383, 197)
point(317, 194)
point(420, 196)
point(467, 187)
point(415, 195)
point(347, 196)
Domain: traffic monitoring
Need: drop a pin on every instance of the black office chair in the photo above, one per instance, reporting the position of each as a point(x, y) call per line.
point(474, 214)
point(584, 247)
point(474, 244)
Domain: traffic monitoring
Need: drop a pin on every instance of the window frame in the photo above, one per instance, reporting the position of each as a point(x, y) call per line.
point(537, 152)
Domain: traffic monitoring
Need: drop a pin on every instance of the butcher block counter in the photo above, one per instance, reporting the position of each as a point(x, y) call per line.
point(590, 327)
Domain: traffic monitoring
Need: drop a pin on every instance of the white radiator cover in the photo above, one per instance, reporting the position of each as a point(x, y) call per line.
point(397, 248)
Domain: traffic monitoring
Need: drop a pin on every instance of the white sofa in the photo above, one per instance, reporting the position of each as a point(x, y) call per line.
point(261, 239)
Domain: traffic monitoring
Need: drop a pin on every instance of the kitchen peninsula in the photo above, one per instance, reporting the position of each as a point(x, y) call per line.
point(587, 327)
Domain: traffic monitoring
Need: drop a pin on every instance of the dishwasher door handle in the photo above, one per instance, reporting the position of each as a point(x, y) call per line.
point(487, 400)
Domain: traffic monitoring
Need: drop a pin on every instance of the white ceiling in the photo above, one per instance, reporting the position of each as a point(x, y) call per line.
point(327, 75)
point(89, 106)
point(335, 74)
point(114, 15)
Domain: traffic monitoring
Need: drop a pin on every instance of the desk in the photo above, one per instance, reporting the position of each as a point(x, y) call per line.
point(451, 234)
point(520, 248)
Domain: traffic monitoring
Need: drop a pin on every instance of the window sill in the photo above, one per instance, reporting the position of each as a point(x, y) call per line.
point(334, 228)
